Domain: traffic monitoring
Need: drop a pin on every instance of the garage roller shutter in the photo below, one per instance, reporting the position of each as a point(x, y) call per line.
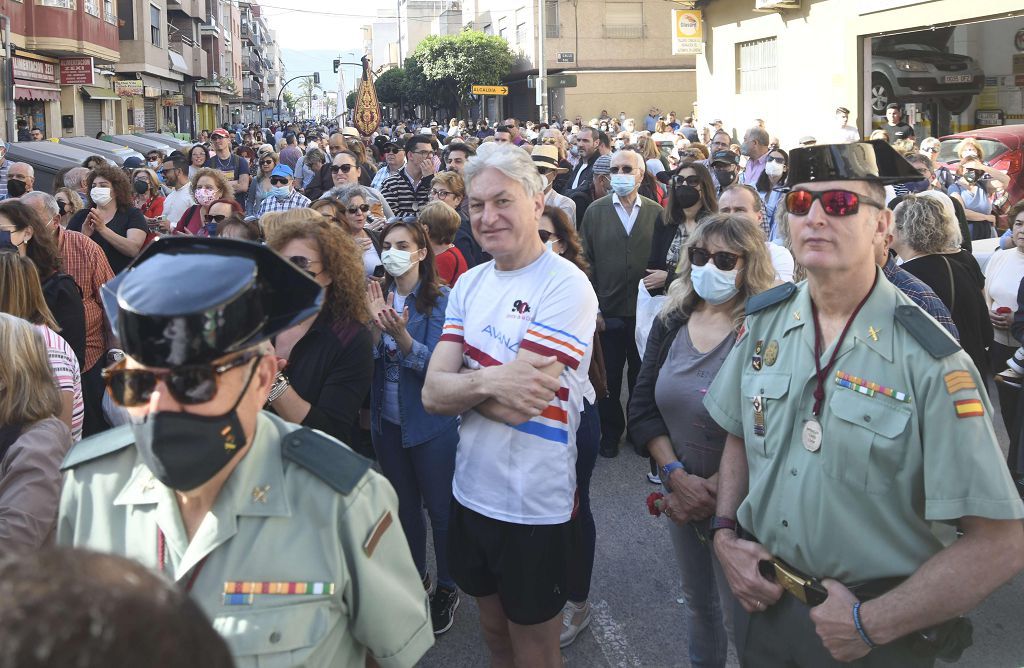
point(150, 108)
point(93, 116)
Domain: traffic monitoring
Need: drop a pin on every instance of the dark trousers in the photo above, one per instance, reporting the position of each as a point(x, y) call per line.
point(92, 400)
point(1009, 400)
point(588, 440)
point(783, 636)
point(618, 344)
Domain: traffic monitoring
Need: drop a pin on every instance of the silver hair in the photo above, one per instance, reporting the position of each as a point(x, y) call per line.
point(638, 162)
point(31, 169)
point(922, 224)
point(75, 177)
point(512, 161)
point(345, 193)
point(949, 211)
point(48, 201)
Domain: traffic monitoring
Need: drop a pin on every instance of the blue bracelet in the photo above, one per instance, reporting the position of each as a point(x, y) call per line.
point(860, 628)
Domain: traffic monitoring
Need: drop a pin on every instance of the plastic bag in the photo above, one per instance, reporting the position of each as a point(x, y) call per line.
point(647, 309)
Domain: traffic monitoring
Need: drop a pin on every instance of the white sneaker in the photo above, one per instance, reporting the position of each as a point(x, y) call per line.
point(574, 619)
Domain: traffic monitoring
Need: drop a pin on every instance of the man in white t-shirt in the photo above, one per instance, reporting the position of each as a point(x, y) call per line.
point(175, 171)
point(512, 361)
point(743, 200)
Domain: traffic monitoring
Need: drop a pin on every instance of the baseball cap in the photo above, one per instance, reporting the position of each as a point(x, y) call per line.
point(220, 132)
point(282, 170)
point(727, 157)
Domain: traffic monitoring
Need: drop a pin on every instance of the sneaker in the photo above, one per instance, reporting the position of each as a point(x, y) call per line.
point(1010, 378)
point(574, 619)
point(443, 604)
point(654, 478)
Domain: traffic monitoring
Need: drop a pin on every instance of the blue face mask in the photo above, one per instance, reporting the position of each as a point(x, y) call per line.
point(280, 192)
point(712, 284)
point(623, 184)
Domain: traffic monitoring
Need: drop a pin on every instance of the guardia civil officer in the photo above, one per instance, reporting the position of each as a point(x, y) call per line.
point(282, 535)
point(855, 422)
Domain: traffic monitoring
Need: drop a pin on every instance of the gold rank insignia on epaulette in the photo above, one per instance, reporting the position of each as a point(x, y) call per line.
point(957, 381)
point(379, 529)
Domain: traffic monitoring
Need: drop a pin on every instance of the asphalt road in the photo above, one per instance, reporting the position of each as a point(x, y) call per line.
point(635, 594)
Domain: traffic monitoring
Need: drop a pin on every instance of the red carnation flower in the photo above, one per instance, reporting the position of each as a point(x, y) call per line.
point(656, 503)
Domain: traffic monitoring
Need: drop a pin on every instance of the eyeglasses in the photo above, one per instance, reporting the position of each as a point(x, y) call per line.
point(342, 168)
point(724, 261)
point(545, 235)
point(355, 209)
point(624, 169)
point(214, 217)
point(778, 159)
point(266, 162)
point(278, 181)
point(189, 385)
point(440, 194)
point(835, 202)
point(304, 263)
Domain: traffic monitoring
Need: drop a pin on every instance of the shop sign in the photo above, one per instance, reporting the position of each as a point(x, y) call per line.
point(208, 98)
point(76, 71)
point(175, 100)
point(33, 70)
point(128, 88)
point(151, 91)
point(687, 32)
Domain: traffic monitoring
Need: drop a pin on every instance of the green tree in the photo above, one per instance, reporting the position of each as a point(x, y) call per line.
point(418, 89)
point(454, 63)
point(350, 100)
point(306, 89)
point(391, 86)
point(289, 101)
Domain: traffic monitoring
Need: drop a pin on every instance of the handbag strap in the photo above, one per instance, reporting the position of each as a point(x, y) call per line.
point(952, 285)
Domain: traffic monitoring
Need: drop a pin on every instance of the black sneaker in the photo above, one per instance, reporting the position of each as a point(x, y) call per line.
point(443, 603)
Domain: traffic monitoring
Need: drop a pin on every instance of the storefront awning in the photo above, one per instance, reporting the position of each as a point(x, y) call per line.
point(178, 62)
point(94, 93)
point(35, 90)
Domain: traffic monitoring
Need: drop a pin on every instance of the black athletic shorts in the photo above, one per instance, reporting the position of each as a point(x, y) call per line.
point(526, 565)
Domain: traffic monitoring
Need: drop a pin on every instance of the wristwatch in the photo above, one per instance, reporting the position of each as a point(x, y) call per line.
point(718, 522)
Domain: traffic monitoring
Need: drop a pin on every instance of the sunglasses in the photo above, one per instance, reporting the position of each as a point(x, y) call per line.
point(933, 149)
point(834, 202)
point(778, 159)
point(278, 181)
point(304, 264)
point(724, 261)
point(546, 235)
point(624, 169)
point(692, 180)
point(356, 209)
point(214, 217)
point(342, 168)
point(394, 150)
point(266, 162)
point(189, 385)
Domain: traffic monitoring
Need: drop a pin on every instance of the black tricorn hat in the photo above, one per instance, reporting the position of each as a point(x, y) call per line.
point(860, 161)
point(189, 300)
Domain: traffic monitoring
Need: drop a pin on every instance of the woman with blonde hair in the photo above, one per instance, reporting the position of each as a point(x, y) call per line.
point(69, 202)
point(260, 188)
point(723, 263)
point(208, 186)
point(33, 440)
point(146, 194)
point(22, 297)
point(974, 184)
point(326, 361)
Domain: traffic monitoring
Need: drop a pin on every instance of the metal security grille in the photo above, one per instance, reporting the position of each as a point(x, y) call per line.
point(92, 116)
point(150, 108)
point(757, 66)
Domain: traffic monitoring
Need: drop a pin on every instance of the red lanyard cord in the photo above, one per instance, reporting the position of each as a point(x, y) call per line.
point(819, 342)
point(161, 557)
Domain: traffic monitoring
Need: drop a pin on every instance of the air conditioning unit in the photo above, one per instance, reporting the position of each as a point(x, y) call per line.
point(775, 5)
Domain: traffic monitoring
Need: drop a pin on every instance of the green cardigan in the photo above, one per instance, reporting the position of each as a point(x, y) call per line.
point(614, 273)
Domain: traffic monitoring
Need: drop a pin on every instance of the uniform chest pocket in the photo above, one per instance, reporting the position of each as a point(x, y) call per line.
point(276, 637)
point(868, 446)
point(764, 430)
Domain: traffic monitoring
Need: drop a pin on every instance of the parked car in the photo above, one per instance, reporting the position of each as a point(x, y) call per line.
point(170, 140)
point(903, 71)
point(47, 159)
point(141, 144)
point(115, 152)
point(1003, 147)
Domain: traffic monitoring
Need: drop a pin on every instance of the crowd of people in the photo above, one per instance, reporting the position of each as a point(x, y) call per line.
point(800, 332)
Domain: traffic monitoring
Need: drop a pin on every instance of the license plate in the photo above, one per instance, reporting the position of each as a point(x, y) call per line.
point(958, 78)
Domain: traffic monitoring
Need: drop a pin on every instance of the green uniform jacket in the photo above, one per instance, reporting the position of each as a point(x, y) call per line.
point(618, 262)
point(862, 506)
point(274, 521)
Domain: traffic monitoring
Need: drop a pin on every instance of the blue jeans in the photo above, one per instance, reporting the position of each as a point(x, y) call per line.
point(421, 475)
point(709, 601)
point(588, 442)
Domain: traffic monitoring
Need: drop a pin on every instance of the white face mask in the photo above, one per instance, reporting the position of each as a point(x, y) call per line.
point(774, 169)
point(396, 262)
point(100, 196)
point(970, 153)
point(714, 285)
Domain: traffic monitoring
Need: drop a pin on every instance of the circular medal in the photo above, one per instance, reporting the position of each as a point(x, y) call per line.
point(811, 436)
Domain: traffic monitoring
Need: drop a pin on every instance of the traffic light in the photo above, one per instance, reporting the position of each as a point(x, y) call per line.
point(337, 64)
point(316, 78)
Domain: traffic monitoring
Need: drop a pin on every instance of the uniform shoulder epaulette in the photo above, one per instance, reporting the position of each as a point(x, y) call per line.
point(926, 331)
point(325, 458)
point(100, 445)
point(763, 300)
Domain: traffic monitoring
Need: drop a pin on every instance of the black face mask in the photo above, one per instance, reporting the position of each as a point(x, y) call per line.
point(970, 176)
point(916, 186)
point(140, 187)
point(725, 177)
point(16, 188)
point(184, 450)
point(61, 207)
point(6, 245)
point(685, 196)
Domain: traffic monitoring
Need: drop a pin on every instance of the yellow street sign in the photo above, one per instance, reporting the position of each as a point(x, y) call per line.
point(490, 90)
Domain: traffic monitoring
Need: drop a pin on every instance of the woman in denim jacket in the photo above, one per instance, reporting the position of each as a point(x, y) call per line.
point(416, 450)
